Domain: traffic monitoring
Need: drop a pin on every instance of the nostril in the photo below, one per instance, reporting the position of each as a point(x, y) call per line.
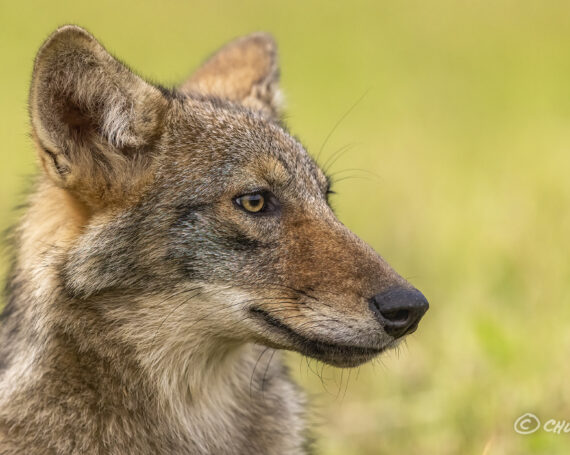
point(396, 316)
point(399, 310)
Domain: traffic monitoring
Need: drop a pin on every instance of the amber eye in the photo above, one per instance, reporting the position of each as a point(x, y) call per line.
point(251, 202)
point(258, 203)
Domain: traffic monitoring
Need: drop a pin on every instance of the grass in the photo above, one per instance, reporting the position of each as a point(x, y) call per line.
point(462, 148)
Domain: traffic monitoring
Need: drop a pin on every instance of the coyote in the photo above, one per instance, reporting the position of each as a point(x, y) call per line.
point(174, 238)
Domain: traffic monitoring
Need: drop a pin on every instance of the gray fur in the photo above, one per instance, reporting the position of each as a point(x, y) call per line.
point(145, 308)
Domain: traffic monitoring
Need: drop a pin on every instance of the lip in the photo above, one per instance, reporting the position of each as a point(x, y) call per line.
point(335, 354)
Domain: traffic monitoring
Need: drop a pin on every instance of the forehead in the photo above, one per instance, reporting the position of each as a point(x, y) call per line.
point(229, 142)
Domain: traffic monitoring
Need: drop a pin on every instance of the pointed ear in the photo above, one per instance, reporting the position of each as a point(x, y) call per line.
point(244, 71)
point(93, 120)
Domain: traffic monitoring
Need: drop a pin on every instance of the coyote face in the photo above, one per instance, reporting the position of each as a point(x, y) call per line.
point(201, 193)
point(171, 234)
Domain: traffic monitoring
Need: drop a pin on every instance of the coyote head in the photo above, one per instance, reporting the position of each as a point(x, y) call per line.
point(193, 214)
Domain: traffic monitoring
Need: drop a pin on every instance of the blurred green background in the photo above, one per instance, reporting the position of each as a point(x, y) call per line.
point(456, 170)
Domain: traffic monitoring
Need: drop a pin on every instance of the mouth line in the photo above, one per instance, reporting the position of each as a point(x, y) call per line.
point(316, 348)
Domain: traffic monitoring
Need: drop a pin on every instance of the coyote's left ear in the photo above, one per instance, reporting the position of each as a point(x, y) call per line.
point(245, 71)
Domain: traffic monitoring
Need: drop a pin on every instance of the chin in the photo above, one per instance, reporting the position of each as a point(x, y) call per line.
point(332, 352)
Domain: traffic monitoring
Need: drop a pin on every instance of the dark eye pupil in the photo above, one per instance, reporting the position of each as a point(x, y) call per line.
point(254, 200)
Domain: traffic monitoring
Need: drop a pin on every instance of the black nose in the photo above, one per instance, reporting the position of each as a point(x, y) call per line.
point(399, 310)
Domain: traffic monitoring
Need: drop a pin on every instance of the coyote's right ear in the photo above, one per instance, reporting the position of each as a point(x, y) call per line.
point(94, 120)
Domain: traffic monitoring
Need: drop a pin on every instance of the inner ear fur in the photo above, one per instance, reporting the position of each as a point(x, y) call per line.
point(245, 71)
point(93, 120)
